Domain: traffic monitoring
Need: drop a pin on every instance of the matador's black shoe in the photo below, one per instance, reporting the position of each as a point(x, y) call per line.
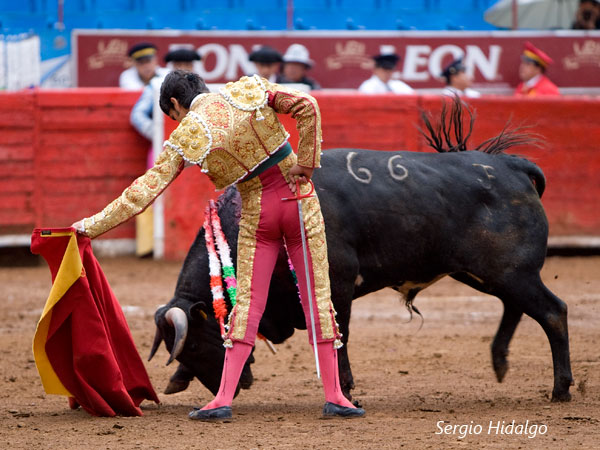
point(333, 410)
point(223, 412)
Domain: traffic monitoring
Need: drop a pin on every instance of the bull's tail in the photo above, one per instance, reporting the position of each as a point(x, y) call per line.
point(535, 174)
point(449, 134)
point(538, 179)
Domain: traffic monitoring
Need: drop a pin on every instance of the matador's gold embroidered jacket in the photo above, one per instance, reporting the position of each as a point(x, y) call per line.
point(228, 135)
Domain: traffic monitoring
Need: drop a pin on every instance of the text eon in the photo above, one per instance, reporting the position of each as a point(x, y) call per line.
point(420, 62)
point(423, 61)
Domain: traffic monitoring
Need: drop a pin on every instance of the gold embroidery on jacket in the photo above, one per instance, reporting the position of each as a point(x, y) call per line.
point(305, 110)
point(138, 195)
point(239, 140)
point(247, 94)
point(192, 138)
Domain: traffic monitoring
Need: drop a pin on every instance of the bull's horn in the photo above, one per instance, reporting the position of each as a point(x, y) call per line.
point(157, 340)
point(177, 319)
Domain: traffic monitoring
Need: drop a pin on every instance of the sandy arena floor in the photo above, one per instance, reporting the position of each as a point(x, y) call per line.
point(408, 380)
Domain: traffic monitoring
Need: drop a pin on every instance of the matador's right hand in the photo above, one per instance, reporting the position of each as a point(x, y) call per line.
point(79, 227)
point(300, 173)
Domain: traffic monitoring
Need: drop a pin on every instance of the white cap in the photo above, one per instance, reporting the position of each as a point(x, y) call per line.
point(387, 50)
point(298, 53)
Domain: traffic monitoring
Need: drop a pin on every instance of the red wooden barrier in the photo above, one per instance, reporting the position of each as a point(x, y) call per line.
point(66, 154)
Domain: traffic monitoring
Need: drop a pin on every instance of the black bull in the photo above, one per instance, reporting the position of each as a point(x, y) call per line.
point(401, 220)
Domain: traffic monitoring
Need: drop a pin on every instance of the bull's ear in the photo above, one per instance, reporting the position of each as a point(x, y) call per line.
point(198, 311)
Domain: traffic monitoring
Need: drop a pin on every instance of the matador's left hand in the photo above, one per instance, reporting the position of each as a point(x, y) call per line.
point(300, 173)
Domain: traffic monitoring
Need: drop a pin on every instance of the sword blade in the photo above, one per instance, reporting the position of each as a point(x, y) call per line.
point(309, 287)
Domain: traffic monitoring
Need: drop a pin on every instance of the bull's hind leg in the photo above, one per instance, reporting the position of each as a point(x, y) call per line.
point(536, 300)
point(506, 330)
point(510, 319)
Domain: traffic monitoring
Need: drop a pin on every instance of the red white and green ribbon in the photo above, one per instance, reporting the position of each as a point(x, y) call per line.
point(214, 266)
point(225, 254)
point(221, 267)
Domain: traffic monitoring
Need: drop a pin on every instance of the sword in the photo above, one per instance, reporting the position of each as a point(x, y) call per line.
point(299, 197)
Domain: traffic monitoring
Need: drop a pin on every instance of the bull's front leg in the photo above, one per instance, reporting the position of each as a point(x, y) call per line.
point(346, 379)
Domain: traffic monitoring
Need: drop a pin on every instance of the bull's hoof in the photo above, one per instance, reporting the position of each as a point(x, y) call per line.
point(246, 383)
point(500, 369)
point(561, 396)
point(175, 386)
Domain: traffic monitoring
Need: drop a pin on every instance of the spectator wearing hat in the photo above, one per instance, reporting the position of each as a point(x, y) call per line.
point(267, 61)
point(296, 64)
point(141, 119)
point(534, 82)
point(458, 82)
point(381, 81)
point(141, 114)
point(144, 67)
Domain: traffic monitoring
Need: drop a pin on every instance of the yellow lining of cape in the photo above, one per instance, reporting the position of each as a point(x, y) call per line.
point(68, 273)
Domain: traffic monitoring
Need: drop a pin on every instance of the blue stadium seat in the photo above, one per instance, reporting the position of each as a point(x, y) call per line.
point(315, 4)
point(416, 5)
point(104, 6)
point(12, 6)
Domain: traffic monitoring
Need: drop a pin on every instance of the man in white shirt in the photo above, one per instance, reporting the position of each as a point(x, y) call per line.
point(458, 82)
point(144, 68)
point(381, 82)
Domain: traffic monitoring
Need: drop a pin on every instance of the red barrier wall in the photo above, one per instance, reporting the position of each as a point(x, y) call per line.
point(66, 154)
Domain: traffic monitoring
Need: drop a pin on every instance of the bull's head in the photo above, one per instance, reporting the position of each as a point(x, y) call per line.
point(192, 336)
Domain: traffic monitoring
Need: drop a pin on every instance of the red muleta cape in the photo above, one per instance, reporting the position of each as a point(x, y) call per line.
point(82, 345)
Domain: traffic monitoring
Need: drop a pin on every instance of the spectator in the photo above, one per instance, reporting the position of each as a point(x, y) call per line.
point(141, 119)
point(381, 81)
point(141, 114)
point(532, 69)
point(587, 16)
point(144, 67)
point(296, 64)
point(458, 82)
point(268, 62)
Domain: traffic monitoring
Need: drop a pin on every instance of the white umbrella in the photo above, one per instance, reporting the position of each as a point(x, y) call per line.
point(533, 14)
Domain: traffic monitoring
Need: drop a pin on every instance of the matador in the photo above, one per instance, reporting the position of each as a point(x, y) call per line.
point(236, 138)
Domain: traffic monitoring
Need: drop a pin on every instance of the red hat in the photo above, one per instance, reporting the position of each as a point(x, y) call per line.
point(534, 54)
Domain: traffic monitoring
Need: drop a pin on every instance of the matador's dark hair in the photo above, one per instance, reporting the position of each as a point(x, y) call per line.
point(182, 85)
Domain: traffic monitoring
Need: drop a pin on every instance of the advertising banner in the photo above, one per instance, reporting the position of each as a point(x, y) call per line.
point(344, 59)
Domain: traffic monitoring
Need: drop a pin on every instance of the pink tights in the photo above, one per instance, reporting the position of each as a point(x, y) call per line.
point(236, 357)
